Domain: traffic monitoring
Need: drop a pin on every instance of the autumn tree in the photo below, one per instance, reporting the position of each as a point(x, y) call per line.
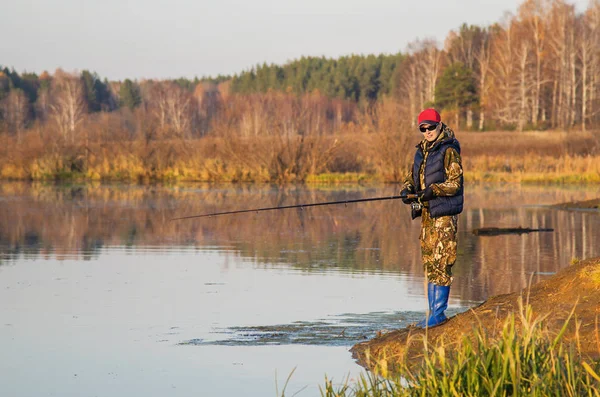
point(173, 107)
point(483, 59)
point(588, 52)
point(470, 46)
point(15, 110)
point(562, 63)
point(209, 100)
point(538, 68)
point(67, 105)
point(533, 14)
point(42, 104)
point(503, 98)
point(418, 75)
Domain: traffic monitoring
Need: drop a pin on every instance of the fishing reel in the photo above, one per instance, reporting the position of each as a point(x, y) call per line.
point(416, 206)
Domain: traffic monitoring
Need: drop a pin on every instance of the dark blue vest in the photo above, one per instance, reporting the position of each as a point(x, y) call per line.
point(436, 173)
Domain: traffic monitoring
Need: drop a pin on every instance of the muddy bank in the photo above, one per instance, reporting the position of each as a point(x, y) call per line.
point(575, 286)
point(593, 204)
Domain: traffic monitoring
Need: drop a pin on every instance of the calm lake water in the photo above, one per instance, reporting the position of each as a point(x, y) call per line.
point(101, 294)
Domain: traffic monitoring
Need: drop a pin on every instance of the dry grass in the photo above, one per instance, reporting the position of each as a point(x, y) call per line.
point(376, 154)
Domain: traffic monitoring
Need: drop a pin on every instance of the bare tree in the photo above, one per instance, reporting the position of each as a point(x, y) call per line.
point(42, 105)
point(561, 39)
point(67, 106)
point(16, 111)
point(419, 74)
point(524, 79)
point(594, 21)
point(504, 89)
point(483, 63)
point(589, 58)
point(209, 100)
point(173, 107)
point(532, 14)
point(464, 46)
point(411, 86)
point(181, 110)
point(432, 59)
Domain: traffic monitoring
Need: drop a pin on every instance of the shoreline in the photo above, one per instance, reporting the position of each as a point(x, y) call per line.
point(570, 296)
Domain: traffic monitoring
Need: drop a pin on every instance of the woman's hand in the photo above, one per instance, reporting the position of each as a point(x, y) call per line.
point(427, 194)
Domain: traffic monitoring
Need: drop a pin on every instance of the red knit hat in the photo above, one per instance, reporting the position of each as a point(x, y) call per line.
point(429, 116)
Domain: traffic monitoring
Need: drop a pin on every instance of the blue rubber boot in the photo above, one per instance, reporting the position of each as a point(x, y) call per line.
point(440, 304)
point(430, 295)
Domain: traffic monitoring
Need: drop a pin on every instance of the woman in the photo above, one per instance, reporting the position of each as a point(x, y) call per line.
point(437, 177)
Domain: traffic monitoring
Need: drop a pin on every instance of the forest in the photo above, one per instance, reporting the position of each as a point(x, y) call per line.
point(535, 70)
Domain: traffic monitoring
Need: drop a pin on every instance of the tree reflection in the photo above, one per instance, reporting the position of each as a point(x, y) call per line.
point(77, 222)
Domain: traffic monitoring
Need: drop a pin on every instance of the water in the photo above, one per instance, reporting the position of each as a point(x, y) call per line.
point(101, 294)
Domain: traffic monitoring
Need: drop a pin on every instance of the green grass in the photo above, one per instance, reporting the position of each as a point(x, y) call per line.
point(526, 360)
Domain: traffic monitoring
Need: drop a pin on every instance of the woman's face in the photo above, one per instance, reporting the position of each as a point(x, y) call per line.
point(430, 134)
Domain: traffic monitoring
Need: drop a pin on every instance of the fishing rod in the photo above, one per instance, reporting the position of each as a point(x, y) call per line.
point(414, 197)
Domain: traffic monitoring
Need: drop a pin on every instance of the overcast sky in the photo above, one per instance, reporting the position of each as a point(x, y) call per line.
point(164, 39)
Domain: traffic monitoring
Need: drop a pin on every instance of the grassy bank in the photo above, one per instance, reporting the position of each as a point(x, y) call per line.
point(548, 347)
point(526, 359)
point(550, 157)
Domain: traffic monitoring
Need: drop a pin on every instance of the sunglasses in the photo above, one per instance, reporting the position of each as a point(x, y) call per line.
point(431, 127)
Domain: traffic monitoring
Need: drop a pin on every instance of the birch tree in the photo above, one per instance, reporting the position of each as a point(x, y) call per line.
point(532, 14)
point(483, 57)
point(561, 40)
point(589, 57)
point(67, 107)
point(504, 98)
point(419, 75)
point(173, 107)
point(523, 62)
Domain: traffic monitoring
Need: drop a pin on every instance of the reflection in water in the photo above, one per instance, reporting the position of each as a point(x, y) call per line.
point(48, 221)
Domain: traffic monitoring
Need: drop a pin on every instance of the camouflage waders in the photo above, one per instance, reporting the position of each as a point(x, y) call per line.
point(438, 247)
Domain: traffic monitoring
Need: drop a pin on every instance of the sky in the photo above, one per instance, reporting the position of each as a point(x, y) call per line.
point(162, 39)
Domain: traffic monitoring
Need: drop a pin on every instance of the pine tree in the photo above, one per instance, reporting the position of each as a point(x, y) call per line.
point(89, 90)
point(355, 77)
point(129, 95)
point(456, 89)
point(96, 92)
